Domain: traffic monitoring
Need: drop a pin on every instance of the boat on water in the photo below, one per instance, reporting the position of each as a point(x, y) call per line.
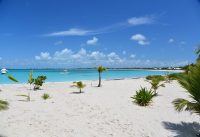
point(4, 71)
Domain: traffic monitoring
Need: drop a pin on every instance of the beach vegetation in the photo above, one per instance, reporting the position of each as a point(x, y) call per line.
point(45, 96)
point(156, 81)
point(38, 82)
point(157, 77)
point(143, 97)
point(30, 78)
point(27, 97)
point(191, 83)
point(3, 105)
point(12, 78)
point(80, 85)
point(100, 70)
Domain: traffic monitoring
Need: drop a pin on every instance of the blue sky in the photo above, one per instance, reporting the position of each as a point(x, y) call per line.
point(113, 33)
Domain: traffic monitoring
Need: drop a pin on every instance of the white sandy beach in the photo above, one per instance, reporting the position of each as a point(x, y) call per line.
point(98, 112)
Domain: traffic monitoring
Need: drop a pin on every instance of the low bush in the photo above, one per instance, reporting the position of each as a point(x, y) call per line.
point(3, 105)
point(143, 97)
point(45, 96)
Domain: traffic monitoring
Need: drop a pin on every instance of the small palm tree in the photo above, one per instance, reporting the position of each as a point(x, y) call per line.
point(190, 82)
point(30, 78)
point(100, 69)
point(80, 85)
point(155, 84)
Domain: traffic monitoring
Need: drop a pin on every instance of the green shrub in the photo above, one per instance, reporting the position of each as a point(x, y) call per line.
point(38, 82)
point(3, 105)
point(143, 97)
point(156, 77)
point(80, 85)
point(45, 96)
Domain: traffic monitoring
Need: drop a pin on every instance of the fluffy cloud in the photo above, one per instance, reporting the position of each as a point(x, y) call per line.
point(83, 58)
point(140, 39)
point(43, 56)
point(92, 41)
point(171, 40)
point(70, 32)
point(141, 20)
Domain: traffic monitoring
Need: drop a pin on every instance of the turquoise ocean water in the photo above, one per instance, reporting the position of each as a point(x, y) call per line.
point(60, 75)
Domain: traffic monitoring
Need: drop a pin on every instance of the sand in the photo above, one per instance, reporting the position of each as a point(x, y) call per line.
point(98, 112)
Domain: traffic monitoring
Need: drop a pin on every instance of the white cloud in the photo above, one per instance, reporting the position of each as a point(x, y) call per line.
point(124, 52)
point(92, 41)
point(63, 54)
point(43, 56)
point(58, 42)
point(171, 40)
point(140, 39)
point(141, 20)
point(132, 56)
point(70, 32)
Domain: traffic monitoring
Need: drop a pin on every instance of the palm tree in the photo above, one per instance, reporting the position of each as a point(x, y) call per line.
point(155, 84)
point(190, 82)
point(100, 69)
point(80, 85)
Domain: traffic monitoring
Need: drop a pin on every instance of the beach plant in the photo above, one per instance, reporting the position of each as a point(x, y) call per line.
point(28, 97)
point(3, 105)
point(156, 81)
point(191, 83)
point(38, 82)
point(100, 70)
point(80, 85)
point(155, 84)
point(45, 96)
point(143, 97)
point(30, 78)
point(12, 78)
point(157, 77)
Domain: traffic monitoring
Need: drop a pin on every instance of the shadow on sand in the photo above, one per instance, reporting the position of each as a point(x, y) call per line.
point(183, 129)
point(76, 92)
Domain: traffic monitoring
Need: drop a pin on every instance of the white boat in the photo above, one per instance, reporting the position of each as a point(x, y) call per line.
point(3, 71)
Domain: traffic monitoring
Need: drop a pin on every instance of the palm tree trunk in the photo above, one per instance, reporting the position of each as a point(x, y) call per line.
point(99, 80)
point(80, 90)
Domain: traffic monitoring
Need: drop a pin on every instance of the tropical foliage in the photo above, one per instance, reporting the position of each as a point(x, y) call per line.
point(12, 78)
point(156, 82)
point(80, 85)
point(45, 96)
point(100, 69)
point(38, 82)
point(143, 97)
point(27, 97)
point(191, 82)
point(3, 105)
point(157, 77)
point(30, 79)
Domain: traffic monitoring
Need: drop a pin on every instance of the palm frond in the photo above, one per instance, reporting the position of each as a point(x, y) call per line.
point(12, 78)
point(3, 105)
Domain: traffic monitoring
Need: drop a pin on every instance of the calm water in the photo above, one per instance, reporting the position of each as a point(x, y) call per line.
point(76, 74)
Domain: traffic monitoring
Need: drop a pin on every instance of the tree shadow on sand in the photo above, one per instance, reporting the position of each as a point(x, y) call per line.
point(183, 129)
